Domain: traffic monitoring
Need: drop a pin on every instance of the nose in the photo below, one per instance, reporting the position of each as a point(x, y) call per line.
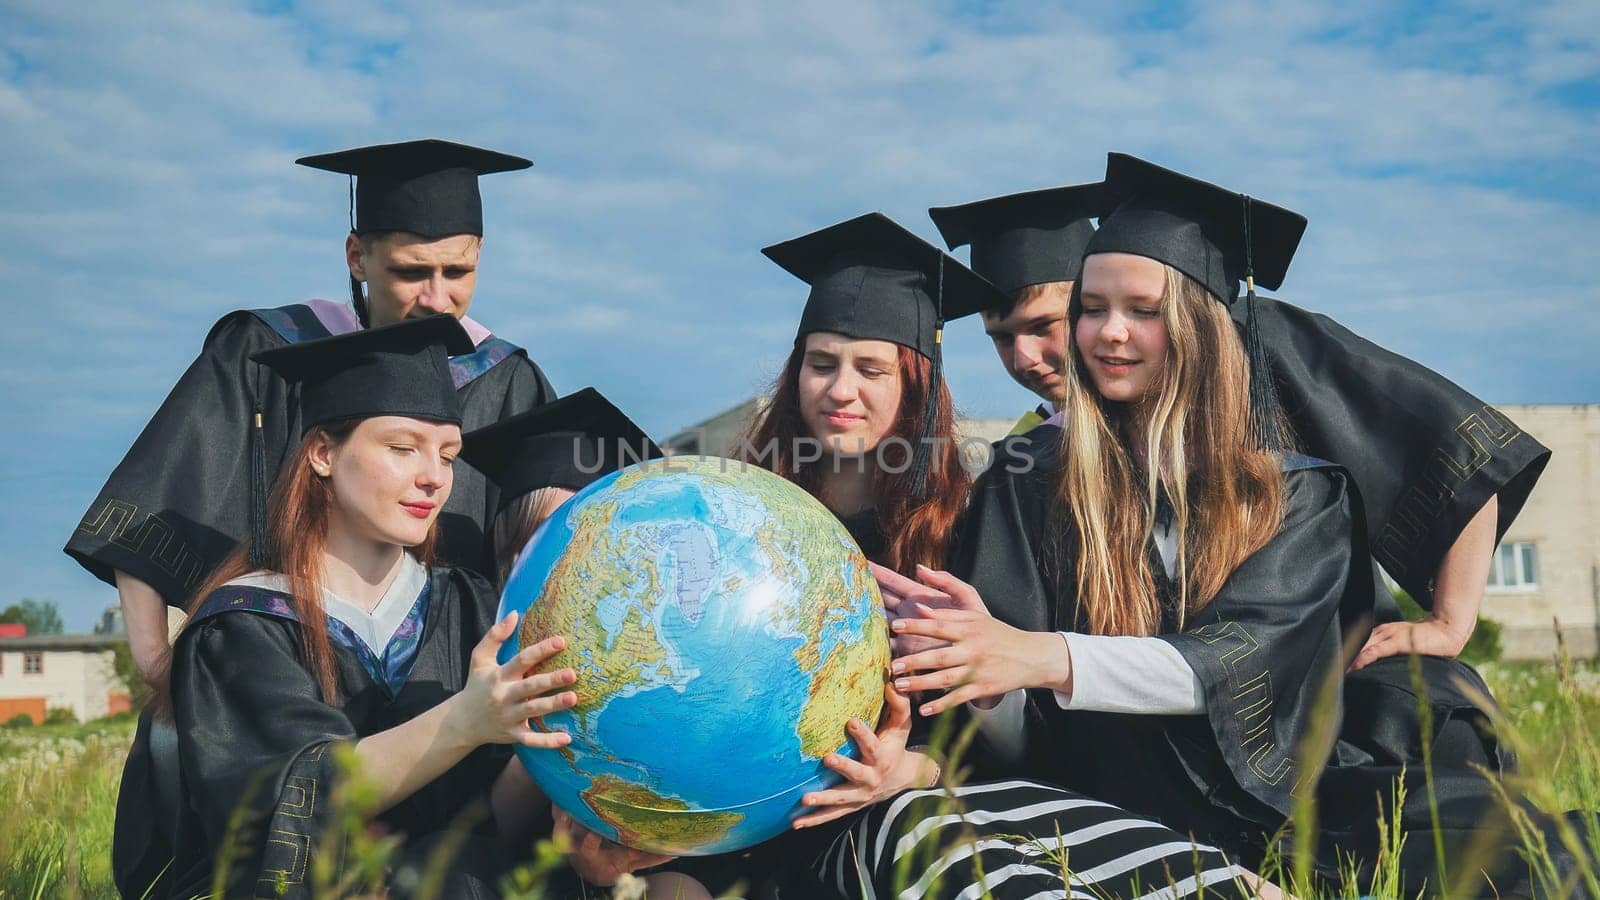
point(435, 296)
point(434, 476)
point(1115, 329)
point(842, 388)
point(1024, 353)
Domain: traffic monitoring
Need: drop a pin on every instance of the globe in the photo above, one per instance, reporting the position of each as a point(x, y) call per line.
point(723, 626)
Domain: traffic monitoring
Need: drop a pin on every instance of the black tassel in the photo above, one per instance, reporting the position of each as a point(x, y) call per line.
point(258, 485)
point(358, 302)
point(1263, 387)
point(923, 455)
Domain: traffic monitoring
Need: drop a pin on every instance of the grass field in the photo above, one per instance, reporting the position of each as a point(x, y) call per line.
point(58, 784)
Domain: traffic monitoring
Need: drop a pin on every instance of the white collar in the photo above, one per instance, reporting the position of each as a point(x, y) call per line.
point(376, 629)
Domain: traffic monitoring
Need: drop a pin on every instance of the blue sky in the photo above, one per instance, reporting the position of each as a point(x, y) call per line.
point(1444, 155)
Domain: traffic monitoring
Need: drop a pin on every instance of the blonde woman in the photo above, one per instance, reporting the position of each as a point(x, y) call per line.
point(1169, 583)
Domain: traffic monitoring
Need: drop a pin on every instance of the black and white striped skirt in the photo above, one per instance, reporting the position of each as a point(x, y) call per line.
point(1017, 839)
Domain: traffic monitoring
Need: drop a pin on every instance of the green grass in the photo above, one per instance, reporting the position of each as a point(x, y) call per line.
point(58, 784)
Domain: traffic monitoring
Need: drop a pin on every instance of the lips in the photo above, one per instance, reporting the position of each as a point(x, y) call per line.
point(420, 509)
point(842, 419)
point(1116, 364)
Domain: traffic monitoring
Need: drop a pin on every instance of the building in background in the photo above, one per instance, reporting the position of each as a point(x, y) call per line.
point(1547, 568)
point(78, 672)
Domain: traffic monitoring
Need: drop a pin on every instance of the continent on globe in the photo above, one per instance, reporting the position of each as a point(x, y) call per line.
point(646, 820)
point(724, 627)
point(845, 688)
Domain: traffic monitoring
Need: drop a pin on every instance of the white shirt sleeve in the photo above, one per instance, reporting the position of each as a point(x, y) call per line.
point(1142, 675)
point(1002, 726)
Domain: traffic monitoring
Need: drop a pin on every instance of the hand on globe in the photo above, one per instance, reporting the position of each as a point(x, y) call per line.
point(886, 767)
point(498, 700)
point(982, 659)
point(596, 860)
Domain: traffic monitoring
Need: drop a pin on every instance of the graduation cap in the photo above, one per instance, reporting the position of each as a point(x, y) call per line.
point(395, 370)
point(1021, 240)
point(1214, 235)
point(427, 187)
point(569, 442)
point(872, 279)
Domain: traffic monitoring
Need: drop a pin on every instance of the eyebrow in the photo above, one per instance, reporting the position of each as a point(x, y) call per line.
point(401, 431)
point(878, 361)
point(1024, 324)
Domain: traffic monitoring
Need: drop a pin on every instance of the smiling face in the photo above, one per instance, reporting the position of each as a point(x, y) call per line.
point(389, 478)
point(1121, 333)
point(1031, 339)
point(411, 277)
point(849, 391)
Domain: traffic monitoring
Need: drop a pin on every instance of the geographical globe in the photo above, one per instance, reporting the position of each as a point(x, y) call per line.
point(724, 628)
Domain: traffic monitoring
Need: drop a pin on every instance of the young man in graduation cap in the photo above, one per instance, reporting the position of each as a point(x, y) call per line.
point(186, 491)
point(1442, 473)
point(1030, 246)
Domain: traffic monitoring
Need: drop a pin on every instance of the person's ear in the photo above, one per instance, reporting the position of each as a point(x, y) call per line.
point(353, 257)
point(320, 455)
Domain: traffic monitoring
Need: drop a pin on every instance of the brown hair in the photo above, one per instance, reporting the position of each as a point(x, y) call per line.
point(1226, 491)
point(297, 529)
point(919, 530)
point(515, 525)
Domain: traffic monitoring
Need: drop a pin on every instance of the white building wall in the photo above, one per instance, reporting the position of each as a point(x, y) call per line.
point(78, 680)
point(1562, 520)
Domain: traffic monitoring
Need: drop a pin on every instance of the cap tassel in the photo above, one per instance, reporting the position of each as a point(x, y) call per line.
point(922, 457)
point(358, 298)
point(258, 484)
point(358, 302)
point(1263, 389)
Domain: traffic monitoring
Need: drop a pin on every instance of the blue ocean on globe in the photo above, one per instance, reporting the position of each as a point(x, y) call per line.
point(724, 627)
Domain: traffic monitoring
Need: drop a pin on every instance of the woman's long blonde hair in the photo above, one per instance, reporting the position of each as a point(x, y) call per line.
point(1225, 490)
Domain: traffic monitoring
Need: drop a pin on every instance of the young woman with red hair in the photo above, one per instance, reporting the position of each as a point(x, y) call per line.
point(331, 639)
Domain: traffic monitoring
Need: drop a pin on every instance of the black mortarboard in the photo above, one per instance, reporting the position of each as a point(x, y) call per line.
point(425, 187)
point(1020, 240)
point(569, 442)
point(1216, 236)
point(872, 279)
point(396, 370)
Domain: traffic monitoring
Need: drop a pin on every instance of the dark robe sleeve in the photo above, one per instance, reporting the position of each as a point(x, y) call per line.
point(180, 499)
point(999, 550)
point(1264, 646)
point(1425, 454)
point(256, 746)
point(1000, 545)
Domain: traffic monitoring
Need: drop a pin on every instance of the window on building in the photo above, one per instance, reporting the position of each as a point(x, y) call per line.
point(33, 663)
point(1516, 567)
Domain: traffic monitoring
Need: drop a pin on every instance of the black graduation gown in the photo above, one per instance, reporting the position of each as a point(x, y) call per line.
point(1426, 455)
point(255, 736)
point(1261, 650)
point(180, 499)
